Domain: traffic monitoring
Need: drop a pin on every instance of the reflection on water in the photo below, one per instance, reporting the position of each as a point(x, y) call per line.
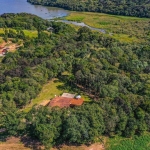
point(18, 6)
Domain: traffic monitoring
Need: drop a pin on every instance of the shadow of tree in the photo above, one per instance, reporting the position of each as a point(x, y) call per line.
point(56, 80)
point(72, 87)
point(3, 137)
point(69, 88)
point(31, 143)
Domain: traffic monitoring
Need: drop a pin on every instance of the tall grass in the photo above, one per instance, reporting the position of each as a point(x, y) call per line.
point(127, 29)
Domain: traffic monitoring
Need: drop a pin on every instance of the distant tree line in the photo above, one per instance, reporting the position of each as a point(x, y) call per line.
point(118, 74)
point(138, 8)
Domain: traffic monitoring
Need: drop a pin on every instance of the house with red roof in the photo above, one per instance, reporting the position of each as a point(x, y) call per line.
point(66, 100)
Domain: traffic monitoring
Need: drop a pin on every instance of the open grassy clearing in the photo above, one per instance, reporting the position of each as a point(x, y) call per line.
point(127, 29)
point(29, 33)
point(136, 143)
point(49, 90)
point(32, 33)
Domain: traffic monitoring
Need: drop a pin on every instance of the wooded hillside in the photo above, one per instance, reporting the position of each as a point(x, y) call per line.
point(117, 74)
point(139, 8)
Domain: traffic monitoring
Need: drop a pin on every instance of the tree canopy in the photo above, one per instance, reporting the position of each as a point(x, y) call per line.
point(117, 74)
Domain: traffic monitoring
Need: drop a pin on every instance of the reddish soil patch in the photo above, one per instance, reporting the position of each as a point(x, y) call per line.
point(11, 46)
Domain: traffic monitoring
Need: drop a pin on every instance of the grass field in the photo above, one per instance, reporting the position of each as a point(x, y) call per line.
point(135, 143)
point(126, 29)
point(29, 33)
point(48, 91)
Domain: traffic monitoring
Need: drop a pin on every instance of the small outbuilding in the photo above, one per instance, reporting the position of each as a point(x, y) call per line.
point(51, 29)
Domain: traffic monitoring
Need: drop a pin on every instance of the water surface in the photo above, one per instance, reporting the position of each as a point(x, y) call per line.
point(18, 6)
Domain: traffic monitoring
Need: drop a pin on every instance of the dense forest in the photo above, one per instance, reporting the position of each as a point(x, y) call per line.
point(139, 8)
point(118, 74)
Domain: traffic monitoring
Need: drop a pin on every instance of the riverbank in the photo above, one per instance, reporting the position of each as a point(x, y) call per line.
point(124, 29)
point(126, 8)
point(19, 6)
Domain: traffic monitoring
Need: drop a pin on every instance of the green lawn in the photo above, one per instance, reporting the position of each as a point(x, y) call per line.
point(30, 33)
point(48, 91)
point(135, 143)
point(126, 29)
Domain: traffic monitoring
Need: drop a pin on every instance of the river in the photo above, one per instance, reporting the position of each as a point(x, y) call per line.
point(18, 6)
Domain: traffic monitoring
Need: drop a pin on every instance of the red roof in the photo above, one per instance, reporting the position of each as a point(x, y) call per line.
point(76, 102)
point(65, 102)
point(3, 51)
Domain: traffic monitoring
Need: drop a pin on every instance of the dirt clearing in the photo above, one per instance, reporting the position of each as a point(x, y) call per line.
point(13, 143)
point(25, 143)
point(10, 46)
point(96, 146)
